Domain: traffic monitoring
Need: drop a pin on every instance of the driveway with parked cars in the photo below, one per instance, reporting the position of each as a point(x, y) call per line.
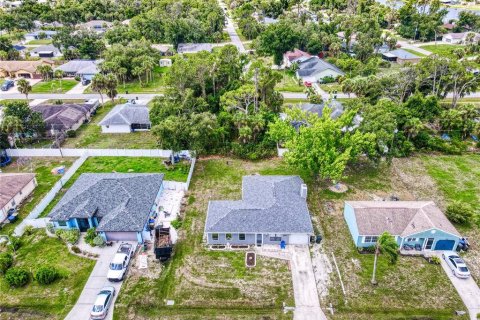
point(467, 289)
point(96, 281)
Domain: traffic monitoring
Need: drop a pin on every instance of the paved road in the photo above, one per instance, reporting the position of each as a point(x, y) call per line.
point(96, 281)
point(415, 47)
point(466, 288)
point(231, 30)
point(48, 96)
point(307, 306)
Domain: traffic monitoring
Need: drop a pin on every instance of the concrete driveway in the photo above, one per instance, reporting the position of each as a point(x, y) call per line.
point(96, 281)
point(466, 288)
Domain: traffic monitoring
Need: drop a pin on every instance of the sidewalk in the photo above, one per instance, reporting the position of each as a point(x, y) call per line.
point(79, 88)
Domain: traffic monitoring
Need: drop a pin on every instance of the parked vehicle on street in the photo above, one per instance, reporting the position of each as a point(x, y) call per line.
point(7, 84)
point(102, 303)
point(119, 265)
point(456, 264)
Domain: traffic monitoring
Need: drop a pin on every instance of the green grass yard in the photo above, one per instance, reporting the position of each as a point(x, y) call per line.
point(90, 135)
point(45, 181)
point(52, 301)
point(289, 83)
point(419, 54)
point(40, 42)
point(54, 86)
point(179, 172)
point(444, 50)
point(154, 86)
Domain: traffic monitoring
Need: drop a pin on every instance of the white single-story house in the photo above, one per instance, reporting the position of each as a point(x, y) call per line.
point(14, 189)
point(420, 224)
point(291, 57)
point(165, 62)
point(118, 205)
point(46, 51)
point(401, 56)
point(459, 37)
point(273, 210)
point(40, 34)
point(314, 69)
point(85, 69)
point(194, 47)
point(125, 118)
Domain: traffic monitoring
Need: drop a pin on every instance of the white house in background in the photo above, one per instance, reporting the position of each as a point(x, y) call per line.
point(99, 26)
point(314, 69)
point(14, 189)
point(194, 47)
point(46, 51)
point(40, 34)
point(125, 118)
point(165, 62)
point(459, 37)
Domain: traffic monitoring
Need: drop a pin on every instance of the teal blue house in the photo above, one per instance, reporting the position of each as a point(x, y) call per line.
point(420, 225)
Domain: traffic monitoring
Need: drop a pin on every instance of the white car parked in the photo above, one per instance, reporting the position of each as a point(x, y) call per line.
point(119, 265)
point(458, 266)
point(102, 303)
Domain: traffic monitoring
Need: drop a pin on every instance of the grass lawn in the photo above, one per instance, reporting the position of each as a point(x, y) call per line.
point(123, 164)
point(458, 178)
point(419, 54)
point(210, 284)
point(45, 181)
point(294, 101)
point(331, 87)
point(40, 41)
point(444, 50)
point(90, 135)
point(402, 288)
point(155, 86)
point(52, 301)
point(54, 86)
point(289, 83)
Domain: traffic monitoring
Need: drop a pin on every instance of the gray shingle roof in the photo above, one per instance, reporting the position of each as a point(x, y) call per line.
point(80, 67)
point(402, 54)
point(194, 47)
point(126, 114)
point(313, 65)
point(47, 48)
point(122, 200)
point(270, 204)
point(63, 117)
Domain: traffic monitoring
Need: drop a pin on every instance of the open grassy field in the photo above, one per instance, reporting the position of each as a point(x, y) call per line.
point(444, 50)
point(90, 135)
point(54, 86)
point(35, 301)
point(289, 83)
point(154, 86)
point(45, 181)
point(40, 41)
point(415, 52)
point(179, 172)
point(331, 87)
point(210, 284)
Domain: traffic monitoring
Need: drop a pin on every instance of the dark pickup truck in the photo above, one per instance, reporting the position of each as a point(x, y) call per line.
point(163, 244)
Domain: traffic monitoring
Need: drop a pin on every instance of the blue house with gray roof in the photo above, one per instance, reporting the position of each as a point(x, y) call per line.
point(313, 69)
point(273, 209)
point(118, 205)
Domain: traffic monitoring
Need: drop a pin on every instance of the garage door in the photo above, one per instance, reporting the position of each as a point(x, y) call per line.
point(444, 245)
point(298, 239)
point(121, 236)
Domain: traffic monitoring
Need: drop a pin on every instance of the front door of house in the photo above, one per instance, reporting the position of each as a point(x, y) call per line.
point(259, 239)
point(429, 243)
point(83, 224)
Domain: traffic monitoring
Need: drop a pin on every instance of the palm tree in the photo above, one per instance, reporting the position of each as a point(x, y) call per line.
point(98, 84)
point(24, 87)
point(11, 125)
point(59, 75)
point(111, 86)
point(387, 245)
point(45, 70)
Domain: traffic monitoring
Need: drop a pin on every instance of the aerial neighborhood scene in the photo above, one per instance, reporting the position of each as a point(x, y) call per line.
point(240, 159)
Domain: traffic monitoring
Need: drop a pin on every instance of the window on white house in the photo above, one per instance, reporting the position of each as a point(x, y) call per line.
point(412, 240)
point(370, 239)
point(275, 238)
point(62, 223)
point(228, 236)
point(241, 236)
point(214, 236)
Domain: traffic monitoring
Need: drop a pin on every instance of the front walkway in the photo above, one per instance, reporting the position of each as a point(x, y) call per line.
point(78, 88)
point(96, 281)
point(467, 289)
point(307, 305)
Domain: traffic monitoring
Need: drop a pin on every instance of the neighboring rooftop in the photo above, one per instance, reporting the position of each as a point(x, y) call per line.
point(11, 184)
point(29, 66)
point(122, 200)
point(295, 54)
point(80, 67)
point(127, 114)
point(63, 117)
point(269, 204)
point(312, 65)
point(46, 48)
point(400, 218)
point(194, 47)
point(402, 54)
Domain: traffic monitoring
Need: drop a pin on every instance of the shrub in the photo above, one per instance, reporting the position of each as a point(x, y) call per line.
point(77, 78)
point(99, 241)
point(328, 79)
point(6, 261)
point(91, 234)
point(15, 243)
point(177, 224)
point(69, 236)
point(76, 249)
point(58, 101)
point(460, 212)
point(370, 249)
point(51, 228)
point(434, 260)
point(17, 277)
point(71, 133)
point(46, 275)
point(28, 230)
point(315, 98)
